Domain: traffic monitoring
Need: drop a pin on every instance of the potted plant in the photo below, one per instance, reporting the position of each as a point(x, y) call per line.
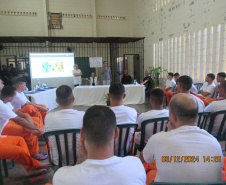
point(155, 72)
point(107, 100)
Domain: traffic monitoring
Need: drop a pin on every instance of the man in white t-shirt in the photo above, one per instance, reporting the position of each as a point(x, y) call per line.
point(96, 163)
point(220, 78)
point(156, 101)
point(65, 118)
point(123, 113)
point(184, 84)
point(208, 88)
point(170, 83)
point(186, 153)
point(218, 106)
point(16, 123)
point(21, 103)
point(77, 73)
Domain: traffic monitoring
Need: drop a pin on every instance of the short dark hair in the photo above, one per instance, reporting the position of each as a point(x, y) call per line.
point(176, 74)
point(157, 95)
point(99, 123)
point(185, 82)
point(19, 81)
point(104, 62)
point(8, 91)
point(64, 95)
point(185, 113)
point(117, 91)
point(222, 74)
point(170, 73)
point(211, 75)
point(223, 84)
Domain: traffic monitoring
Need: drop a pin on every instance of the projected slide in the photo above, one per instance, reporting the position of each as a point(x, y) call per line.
point(50, 65)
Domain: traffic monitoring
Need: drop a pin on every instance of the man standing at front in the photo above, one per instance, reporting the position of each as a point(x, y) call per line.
point(106, 74)
point(77, 73)
point(182, 153)
point(96, 163)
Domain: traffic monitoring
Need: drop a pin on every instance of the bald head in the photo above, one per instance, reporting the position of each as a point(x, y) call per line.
point(185, 108)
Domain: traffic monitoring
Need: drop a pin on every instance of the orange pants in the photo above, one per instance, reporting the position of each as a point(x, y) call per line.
point(13, 129)
point(206, 101)
point(168, 95)
point(15, 148)
point(37, 122)
point(151, 171)
point(34, 111)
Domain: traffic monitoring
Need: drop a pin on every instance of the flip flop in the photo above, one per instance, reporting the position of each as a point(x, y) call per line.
point(43, 173)
point(43, 157)
point(36, 180)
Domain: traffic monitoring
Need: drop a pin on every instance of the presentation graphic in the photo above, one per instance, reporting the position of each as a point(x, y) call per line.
point(51, 65)
point(48, 67)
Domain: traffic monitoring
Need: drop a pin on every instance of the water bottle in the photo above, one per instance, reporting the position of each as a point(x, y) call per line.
point(39, 83)
point(135, 82)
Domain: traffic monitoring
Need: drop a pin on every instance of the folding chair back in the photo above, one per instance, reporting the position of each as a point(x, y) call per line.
point(162, 122)
point(202, 120)
point(63, 151)
point(126, 131)
point(218, 125)
point(198, 85)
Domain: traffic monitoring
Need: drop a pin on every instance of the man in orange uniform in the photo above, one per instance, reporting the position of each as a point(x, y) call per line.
point(21, 103)
point(15, 123)
point(15, 148)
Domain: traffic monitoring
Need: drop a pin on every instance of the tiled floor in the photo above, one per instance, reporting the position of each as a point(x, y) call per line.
point(17, 176)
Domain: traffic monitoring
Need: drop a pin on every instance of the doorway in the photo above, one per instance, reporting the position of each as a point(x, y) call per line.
point(131, 63)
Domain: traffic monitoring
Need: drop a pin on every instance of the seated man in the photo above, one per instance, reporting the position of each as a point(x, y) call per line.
point(123, 113)
point(15, 123)
point(156, 101)
point(220, 78)
point(181, 154)
point(21, 103)
point(15, 148)
point(65, 118)
point(96, 162)
point(170, 84)
point(208, 88)
point(184, 84)
point(147, 80)
point(126, 79)
point(218, 106)
point(176, 76)
point(93, 79)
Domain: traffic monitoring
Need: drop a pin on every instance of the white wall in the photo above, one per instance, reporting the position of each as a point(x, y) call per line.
point(114, 28)
point(72, 27)
point(190, 35)
point(11, 25)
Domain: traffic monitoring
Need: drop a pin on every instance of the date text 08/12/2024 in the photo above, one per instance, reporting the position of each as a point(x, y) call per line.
point(190, 159)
